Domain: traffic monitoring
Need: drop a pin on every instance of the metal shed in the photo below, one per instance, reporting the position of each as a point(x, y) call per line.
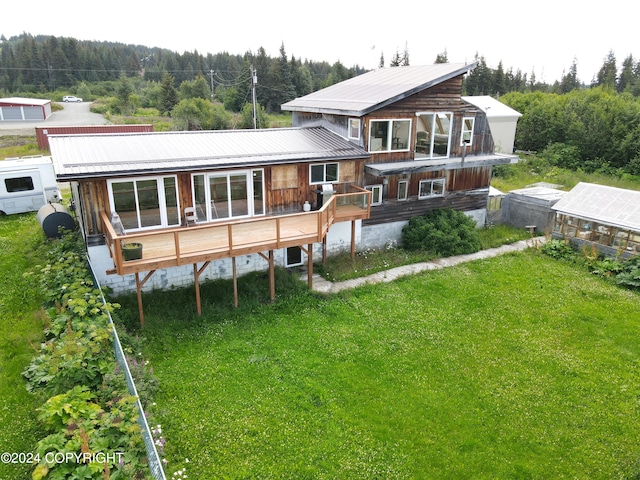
point(17, 109)
point(531, 206)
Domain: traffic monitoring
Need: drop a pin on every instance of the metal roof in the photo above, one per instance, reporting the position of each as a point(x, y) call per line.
point(373, 90)
point(23, 101)
point(608, 205)
point(491, 107)
point(103, 155)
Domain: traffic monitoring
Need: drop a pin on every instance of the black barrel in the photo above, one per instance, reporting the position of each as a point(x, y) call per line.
point(52, 217)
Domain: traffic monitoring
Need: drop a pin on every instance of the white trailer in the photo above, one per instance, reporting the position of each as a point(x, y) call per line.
point(26, 184)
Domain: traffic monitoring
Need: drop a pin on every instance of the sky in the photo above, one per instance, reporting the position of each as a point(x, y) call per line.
point(543, 37)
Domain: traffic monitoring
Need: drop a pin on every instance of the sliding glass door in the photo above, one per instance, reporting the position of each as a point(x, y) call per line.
point(224, 195)
point(146, 202)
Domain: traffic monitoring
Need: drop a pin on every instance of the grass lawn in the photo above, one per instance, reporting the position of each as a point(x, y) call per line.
point(20, 330)
point(515, 367)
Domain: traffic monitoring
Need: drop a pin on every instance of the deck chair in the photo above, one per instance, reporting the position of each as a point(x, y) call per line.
point(190, 216)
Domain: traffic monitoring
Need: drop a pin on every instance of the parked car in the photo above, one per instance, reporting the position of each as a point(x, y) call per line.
point(71, 98)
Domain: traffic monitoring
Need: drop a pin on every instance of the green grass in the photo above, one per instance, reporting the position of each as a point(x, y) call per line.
point(514, 367)
point(535, 168)
point(21, 239)
point(341, 267)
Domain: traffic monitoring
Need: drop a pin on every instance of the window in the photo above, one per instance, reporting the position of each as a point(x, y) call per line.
point(403, 190)
point(293, 257)
point(145, 202)
point(223, 195)
point(323, 172)
point(389, 135)
point(376, 194)
point(18, 184)
point(354, 128)
point(431, 188)
point(467, 130)
point(433, 135)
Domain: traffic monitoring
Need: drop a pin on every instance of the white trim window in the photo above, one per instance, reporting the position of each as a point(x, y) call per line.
point(354, 129)
point(433, 134)
point(403, 190)
point(376, 194)
point(323, 173)
point(466, 136)
point(431, 188)
point(293, 257)
point(230, 194)
point(145, 202)
point(389, 135)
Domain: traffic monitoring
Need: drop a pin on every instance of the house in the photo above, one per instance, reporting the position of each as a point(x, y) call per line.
point(362, 157)
point(210, 204)
point(429, 147)
point(21, 109)
point(599, 215)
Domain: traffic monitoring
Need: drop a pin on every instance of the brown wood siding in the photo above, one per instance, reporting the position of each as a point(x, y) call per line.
point(394, 211)
point(444, 97)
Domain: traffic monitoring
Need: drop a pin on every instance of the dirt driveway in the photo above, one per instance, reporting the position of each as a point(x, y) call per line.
point(73, 114)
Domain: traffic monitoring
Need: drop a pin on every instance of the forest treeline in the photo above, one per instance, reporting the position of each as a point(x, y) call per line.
point(39, 64)
point(594, 126)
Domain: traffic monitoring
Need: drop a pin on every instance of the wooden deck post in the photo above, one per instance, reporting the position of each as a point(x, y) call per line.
point(139, 285)
point(272, 276)
point(196, 279)
point(235, 282)
point(324, 250)
point(310, 267)
point(353, 239)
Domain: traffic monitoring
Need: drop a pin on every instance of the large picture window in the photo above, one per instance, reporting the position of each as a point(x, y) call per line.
point(433, 134)
point(223, 195)
point(146, 202)
point(389, 135)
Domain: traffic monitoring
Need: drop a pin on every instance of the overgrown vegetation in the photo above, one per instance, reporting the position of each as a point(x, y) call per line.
point(626, 273)
point(87, 411)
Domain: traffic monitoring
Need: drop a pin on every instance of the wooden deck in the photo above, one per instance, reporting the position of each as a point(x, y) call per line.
point(165, 248)
point(200, 244)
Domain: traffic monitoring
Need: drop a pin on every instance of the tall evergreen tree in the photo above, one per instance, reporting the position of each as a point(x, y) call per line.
point(168, 93)
point(607, 75)
point(442, 57)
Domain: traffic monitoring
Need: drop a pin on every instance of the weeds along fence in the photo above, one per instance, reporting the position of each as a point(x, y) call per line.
point(155, 462)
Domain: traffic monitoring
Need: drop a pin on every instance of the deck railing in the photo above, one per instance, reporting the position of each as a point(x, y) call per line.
point(169, 247)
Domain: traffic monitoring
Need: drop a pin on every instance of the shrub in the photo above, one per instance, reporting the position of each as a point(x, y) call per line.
point(630, 274)
point(558, 249)
point(444, 232)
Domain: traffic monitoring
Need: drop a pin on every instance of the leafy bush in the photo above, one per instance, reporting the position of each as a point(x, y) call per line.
point(91, 410)
point(444, 232)
point(558, 249)
point(79, 426)
point(630, 274)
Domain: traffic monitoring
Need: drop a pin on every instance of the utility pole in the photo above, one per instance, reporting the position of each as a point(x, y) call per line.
point(211, 72)
point(254, 80)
